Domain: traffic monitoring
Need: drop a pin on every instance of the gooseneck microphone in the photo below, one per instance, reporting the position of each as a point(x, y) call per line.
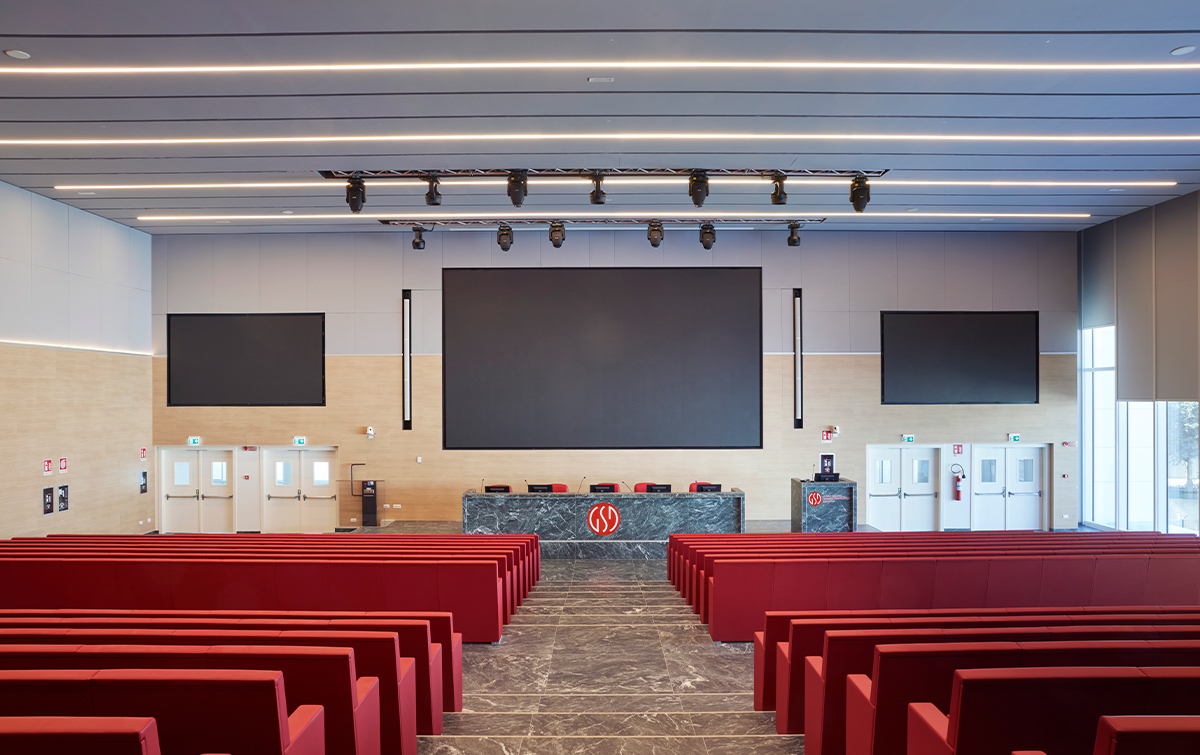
point(627, 485)
point(580, 486)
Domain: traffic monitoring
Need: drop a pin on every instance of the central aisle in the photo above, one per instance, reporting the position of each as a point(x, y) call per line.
point(605, 657)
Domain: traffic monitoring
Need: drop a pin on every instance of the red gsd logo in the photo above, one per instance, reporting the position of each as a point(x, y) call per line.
point(814, 498)
point(604, 519)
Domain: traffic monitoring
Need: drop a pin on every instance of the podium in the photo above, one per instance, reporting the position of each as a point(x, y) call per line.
point(361, 502)
point(824, 506)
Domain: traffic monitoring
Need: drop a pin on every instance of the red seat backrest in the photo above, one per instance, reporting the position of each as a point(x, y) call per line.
point(694, 485)
point(558, 487)
point(641, 487)
point(72, 735)
point(1148, 735)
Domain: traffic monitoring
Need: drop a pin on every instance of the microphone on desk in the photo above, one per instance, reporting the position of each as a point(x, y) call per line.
point(481, 479)
point(580, 486)
point(625, 484)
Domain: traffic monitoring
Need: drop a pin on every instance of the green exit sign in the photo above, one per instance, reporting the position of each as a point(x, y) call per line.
point(909, 438)
point(194, 440)
point(299, 440)
point(1014, 437)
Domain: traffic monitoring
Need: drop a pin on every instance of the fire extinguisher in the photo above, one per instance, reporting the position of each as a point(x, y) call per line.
point(959, 476)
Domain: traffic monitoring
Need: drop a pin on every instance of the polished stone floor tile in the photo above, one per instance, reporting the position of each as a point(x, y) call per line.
point(444, 745)
point(709, 672)
point(774, 745)
point(739, 724)
point(613, 725)
point(486, 724)
point(614, 746)
point(632, 703)
point(501, 703)
point(616, 672)
point(718, 702)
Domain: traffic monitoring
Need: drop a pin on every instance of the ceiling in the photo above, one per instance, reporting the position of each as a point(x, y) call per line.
point(765, 109)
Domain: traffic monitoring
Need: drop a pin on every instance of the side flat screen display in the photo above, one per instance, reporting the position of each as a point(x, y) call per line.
point(246, 360)
point(602, 358)
point(959, 357)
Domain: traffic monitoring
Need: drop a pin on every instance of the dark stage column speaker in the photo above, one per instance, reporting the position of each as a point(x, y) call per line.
point(370, 509)
point(406, 336)
point(798, 346)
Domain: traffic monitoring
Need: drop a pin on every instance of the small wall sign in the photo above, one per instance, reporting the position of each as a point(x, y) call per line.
point(299, 440)
point(1014, 437)
point(958, 449)
point(827, 436)
point(62, 465)
point(48, 467)
point(193, 440)
point(143, 486)
point(143, 454)
point(909, 438)
point(47, 501)
point(64, 500)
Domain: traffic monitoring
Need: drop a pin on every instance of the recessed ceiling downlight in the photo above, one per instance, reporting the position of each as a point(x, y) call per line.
point(1185, 50)
point(22, 55)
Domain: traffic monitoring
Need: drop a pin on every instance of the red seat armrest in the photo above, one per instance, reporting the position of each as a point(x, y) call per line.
point(307, 729)
point(860, 715)
point(364, 686)
point(928, 730)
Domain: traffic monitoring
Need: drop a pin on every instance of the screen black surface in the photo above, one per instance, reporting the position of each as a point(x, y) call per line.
point(246, 360)
point(602, 358)
point(959, 357)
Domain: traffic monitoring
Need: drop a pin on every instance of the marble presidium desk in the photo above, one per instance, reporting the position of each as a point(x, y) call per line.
point(639, 530)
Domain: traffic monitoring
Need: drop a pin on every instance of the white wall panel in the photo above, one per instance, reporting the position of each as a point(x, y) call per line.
point(1014, 271)
point(864, 332)
point(235, 284)
point(330, 273)
point(773, 321)
point(49, 234)
point(1097, 275)
point(140, 336)
point(50, 313)
point(189, 273)
point(826, 332)
point(1058, 332)
point(114, 253)
point(687, 255)
point(83, 243)
point(158, 334)
point(16, 281)
point(873, 271)
point(631, 249)
point(575, 251)
point(114, 316)
point(431, 322)
point(602, 248)
point(968, 272)
point(738, 248)
point(780, 262)
point(16, 224)
point(1176, 284)
point(921, 271)
point(1135, 306)
point(378, 272)
point(377, 333)
point(466, 248)
point(282, 273)
point(526, 251)
point(1058, 272)
point(84, 305)
point(339, 333)
point(423, 267)
point(825, 265)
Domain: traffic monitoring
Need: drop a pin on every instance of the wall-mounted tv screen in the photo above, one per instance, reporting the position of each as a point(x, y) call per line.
point(546, 358)
point(246, 360)
point(959, 357)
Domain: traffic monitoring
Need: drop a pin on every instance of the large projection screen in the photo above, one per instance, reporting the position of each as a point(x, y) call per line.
point(246, 360)
point(959, 357)
point(602, 358)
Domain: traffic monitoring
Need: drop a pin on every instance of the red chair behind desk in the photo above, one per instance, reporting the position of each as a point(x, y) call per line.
point(497, 489)
point(693, 488)
point(642, 487)
point(559, 487)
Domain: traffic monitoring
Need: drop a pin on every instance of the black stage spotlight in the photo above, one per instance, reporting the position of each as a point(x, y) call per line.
point(794, 236)
point(708, 236)
point(518, 186)
point(433, 197)
point(504, 237)
point(778, 195)
point(860, 193)
point(418, 238)
point(597, 196)
point(558, 233)
point(654, 232)
point(698, 187)
point(356, 194)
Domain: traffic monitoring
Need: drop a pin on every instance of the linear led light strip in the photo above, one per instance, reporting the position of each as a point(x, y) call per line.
point(596, 136)
point(698, 215)
point(613, 181)
point(558, 65)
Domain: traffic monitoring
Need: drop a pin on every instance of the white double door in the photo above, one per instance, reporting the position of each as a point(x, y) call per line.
point(1006, 489)
point(198, 491)
point(299, 492)
point(902, 493)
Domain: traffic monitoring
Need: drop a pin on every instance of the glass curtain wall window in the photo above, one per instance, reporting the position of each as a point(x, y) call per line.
point(1140, 459)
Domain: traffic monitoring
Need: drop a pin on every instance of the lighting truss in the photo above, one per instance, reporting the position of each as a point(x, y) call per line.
point(664, 219)
point(588, 173)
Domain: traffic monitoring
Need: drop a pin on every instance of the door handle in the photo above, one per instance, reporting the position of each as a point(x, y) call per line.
point(987, 494)
point(196, 496)
point(1038, 493)
point(283, 497)
point(221, 497)
point(920, 495)
point(321, 497)
point(884, 495)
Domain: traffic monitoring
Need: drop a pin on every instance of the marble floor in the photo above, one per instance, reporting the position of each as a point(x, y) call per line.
point(605, 657)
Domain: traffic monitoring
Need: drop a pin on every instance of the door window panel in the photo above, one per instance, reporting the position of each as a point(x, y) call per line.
point(987, 470)
point(320, 473)
point(283, 473)
point(219, 473)
point(183, 473)
point(921, 471)
point(1024, 470)
point(883, 472)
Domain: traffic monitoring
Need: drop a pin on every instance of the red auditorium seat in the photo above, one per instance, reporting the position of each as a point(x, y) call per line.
point(74, 735)
point(1002, 710)
point(196, 710)
point(694, 485)
point(641, 486)
point(559, 487)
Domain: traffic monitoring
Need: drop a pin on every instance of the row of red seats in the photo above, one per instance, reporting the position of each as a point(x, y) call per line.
point(739, 583)
point(481, 580)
